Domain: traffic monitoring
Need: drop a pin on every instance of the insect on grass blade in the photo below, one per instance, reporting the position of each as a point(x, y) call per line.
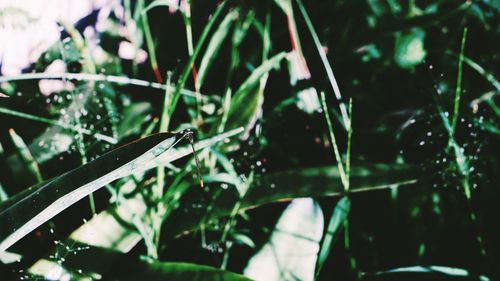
point(189, 135)
point(28, 210)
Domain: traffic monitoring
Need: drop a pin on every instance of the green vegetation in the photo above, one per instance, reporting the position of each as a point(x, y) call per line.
point(241, 140)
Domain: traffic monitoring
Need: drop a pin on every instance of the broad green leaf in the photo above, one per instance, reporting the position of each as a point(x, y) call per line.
point(285, 186)
point(291, 252)
point(335, 225)
point(171, 271)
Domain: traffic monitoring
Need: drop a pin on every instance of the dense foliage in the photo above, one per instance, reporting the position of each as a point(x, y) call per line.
point(337, 140)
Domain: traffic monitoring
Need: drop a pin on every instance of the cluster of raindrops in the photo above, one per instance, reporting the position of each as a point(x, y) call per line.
point(63, 250)
point(59, 256)
point(426, 141)
point(214, 247)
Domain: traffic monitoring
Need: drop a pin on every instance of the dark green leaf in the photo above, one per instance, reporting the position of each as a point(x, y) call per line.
point(285, 186)
point(171, 271)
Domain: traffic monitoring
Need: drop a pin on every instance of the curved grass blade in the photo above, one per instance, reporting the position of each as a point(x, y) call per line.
point(120, 80)
point(25, 155)
point(432, 272)
point(23, 213)
point(107, 234)
point(214, 45)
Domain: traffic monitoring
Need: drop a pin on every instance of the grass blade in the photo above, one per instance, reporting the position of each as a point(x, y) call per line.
point(432, 272)
point(326, 64)
point(335, 225)
point(25, 155)
point(214, 46)
point(23, 213)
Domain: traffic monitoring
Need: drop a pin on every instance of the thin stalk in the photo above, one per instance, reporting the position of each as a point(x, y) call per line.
point(149, 43)
point(326, 64)
point(347, 240)
point(189, 38)
point(44, 120)
point(345, 178)
point(336, 151)
point(80, 43)
point(189, 65)
point(157, 191)
point(460, 157)
point(458, 88)
point(349, 142)
point(95, 77)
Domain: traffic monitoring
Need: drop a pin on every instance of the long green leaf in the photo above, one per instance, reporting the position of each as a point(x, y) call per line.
point(30, 209)
point(339, 215)
point(287, 185)
point(214, 45)
point(172, 271)
point(108, 233)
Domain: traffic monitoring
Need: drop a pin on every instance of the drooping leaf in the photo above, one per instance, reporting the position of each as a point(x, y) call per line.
point(291, 252)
